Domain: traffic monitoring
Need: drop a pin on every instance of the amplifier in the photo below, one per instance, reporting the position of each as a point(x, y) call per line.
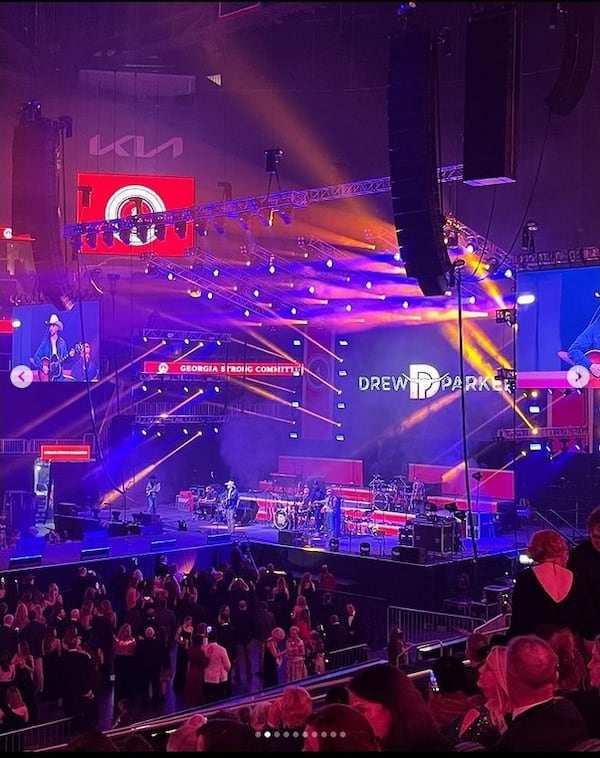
point(185, 501)
point(437, 538)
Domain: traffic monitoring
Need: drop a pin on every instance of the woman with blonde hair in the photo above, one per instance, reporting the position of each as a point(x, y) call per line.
point(547, 594)
point(485, 723)
point(296, 652)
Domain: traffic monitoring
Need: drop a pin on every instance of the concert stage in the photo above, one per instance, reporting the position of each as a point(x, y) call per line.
point(373, 565)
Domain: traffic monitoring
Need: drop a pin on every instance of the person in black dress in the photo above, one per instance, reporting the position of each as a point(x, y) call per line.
point(273, 657)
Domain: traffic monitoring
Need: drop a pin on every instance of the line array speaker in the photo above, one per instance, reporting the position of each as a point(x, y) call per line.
point(577, 59)
point(492, 74)
point(412, 137)
point(36, 202)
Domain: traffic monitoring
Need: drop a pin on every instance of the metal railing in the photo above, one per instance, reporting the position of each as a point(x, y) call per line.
point(426, 631)
point(37, 737)
point(346, 657)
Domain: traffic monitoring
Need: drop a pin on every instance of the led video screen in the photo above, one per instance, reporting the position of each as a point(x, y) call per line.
point(58, 346)
point(558, 336)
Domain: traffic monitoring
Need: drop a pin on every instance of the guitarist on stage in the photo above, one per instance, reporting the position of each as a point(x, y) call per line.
point(152, 490)
point(585, 350)
point(51, 352)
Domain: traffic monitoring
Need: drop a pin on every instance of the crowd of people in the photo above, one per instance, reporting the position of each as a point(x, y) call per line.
point(534, 687)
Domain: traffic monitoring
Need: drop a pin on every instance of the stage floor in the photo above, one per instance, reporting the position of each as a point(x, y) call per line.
point(199, 532)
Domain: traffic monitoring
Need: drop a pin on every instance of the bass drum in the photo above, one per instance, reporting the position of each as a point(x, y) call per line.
point(281, 520)
point(383, 501)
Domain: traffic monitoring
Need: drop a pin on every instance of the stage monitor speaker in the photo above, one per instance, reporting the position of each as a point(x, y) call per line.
point(413, 157)
point(162, 544)
point(117, 529)
point(409, 554)
point(94, 552)
point(218, 539)
point(24, 561)
point(437, 538)
point(291, 537)
point(492, 74)
point(246, 512)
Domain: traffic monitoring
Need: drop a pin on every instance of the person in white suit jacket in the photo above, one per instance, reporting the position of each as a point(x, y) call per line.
point(217, 669)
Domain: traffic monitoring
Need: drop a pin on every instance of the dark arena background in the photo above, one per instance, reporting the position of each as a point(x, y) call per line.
point(343, 245)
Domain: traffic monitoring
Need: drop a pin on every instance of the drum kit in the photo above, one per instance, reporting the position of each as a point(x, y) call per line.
point(398, 495)
point(292, 516)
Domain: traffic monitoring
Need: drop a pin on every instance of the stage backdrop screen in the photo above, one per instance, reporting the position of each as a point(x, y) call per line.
point(553, 309)
point(78, 333)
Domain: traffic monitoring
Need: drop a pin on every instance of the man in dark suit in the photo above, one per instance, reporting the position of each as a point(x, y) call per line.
point(9, 637)
point(336, 634)
point(540, 721)
point(354, 625)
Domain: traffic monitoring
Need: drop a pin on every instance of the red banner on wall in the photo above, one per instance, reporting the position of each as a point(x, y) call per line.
point(198, 368)
point(65, 453)
point(114, 196)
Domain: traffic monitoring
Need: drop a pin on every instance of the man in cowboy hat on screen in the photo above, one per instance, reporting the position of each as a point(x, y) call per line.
point(232, 497)
point(51, 352)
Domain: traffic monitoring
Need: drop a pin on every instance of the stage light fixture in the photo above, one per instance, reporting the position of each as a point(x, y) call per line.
point(182, 526)
point(91, 239)
point(365, 548)
point(273, 157)
point(180, 229)
point(396, 553)
point(125, 236)
point(478, 476)
point(160, 230)
point(430, 507)
point(108, 237)
point(334, 545)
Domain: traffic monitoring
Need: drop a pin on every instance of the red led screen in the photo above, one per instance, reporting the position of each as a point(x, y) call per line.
point(113, 196)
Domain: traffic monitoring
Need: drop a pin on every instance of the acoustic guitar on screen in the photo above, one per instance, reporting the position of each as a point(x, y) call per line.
point(52, 368)
point(593, 355)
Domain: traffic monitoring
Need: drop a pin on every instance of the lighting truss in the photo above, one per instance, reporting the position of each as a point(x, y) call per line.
point(489, 252)
point(205, 418)
point(290, 268)
point(251, 281)
point(552, 259)
point(324, 251)
point(192, 378)
point(167, 266)
point(552, 432)
point(176, 334)
point(251, 206)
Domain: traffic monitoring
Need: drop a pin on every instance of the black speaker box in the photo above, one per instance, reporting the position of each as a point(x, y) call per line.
point(411, 554)
point(412, 137)
point(290, 537)
point(437, 538)
point(492, 76)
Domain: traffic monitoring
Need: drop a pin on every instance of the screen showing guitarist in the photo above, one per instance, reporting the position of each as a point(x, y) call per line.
point(152, 490)
point(51, 352)
point(585, 350)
